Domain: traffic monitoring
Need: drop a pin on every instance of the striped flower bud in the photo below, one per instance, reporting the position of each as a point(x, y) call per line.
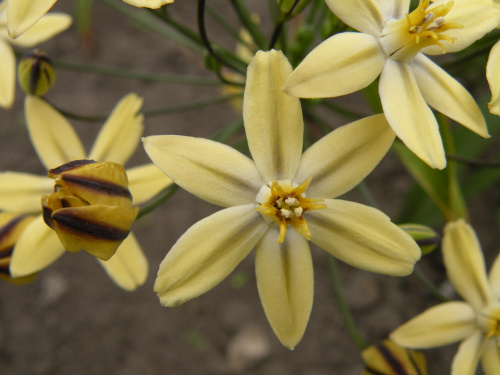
point(426, 238)
point(35, 73)
point(11, 227)
point(388, 358)
point(91, 207)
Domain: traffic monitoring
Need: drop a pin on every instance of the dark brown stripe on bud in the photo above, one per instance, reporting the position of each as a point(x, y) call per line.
point(93, 229)
point(9, 227)
point(6, 252)
point(69, 166)
point(98, 186)
point(391, 360)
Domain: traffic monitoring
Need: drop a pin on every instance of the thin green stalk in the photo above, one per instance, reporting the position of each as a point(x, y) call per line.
point(322, 124)
point(246, 19)
point(224, 24)
point(467, 57)
point(155, 202)
point(229, 131)
point(279, 25)
point(347, 113)
point(367, 194)
point(182, 29)
point(473, 161)
point(424, 279)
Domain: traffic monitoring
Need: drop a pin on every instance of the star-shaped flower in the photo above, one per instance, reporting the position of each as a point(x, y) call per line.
point(278, 202)
point(476, 321)
point(392, 44)
point(56, 143)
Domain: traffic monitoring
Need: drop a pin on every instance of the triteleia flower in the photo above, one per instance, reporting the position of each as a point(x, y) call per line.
point(23, 14)
point(475, 321)
point(49, 26)
point(392, 44)
point(279, 189)
point(57, 143)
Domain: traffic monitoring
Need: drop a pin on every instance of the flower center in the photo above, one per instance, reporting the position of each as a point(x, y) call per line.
point(402, 39)
point(287, 205)
point(489, 321)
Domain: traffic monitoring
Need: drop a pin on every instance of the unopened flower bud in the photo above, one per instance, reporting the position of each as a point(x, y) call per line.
point(35, 73)
point(388, 358)
point(427, 238)
point(91, 207)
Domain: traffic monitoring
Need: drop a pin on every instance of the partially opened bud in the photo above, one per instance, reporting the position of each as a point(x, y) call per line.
point(426, 238)
point(35, 73)
point(388, 358)
point(91, 207)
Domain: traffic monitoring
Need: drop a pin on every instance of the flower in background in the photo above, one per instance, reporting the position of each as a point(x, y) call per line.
point(280, 188)
point(49, 26)
point(475, 322)
point(57, 143)
point(392, 44)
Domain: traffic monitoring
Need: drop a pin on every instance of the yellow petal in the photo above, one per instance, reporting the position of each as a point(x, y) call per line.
point(36, 249)
point(493, 76)
point(21, 192)
point(48, 26)
point(343, 158)
point(286, 284)
point(362, 15)
point(494, 278)
point(363, 237)
point(443, 93)
point(273, 120)
point(490, 361)
point(326, 72)
point(120, 135)
point(210, 170)
point(7, 75)
point(468, 355)
point(128, 268)
point(394, 8)
point(408, 114)
point(54, 139)
point(440, 325)
point(22, 14)
point(153, 4)
point(207, 253)
point(464, 263)
point(145, 181)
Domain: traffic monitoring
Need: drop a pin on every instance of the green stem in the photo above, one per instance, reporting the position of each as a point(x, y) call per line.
point(347, 113)
point(279, 25)
point(155, 202)
point(224, 24)
point(473, 161)
point(252, 27)
point(367, 194)
point(424, 279)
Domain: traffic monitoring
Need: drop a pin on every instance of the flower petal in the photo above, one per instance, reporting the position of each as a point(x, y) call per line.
point(37, 248)
point(128, 268)
point(343, 158)
point(467, 357)
point(490, 360)
point(120, 135)
point(493, 76)
point(362, 15)
point(153, 4)
point(7, 75)
point(22, 14)
point(326, 72)
point(210, 170)
point(54, 139)
point(408, 114)
point(464, 263)
point(273, 119)
point(22, 192)
point(494, 278)
point(363, 237)
point(145, 181)
point(207, 253)
point(440, 325)
point(48, 26)
point(394, 8)
point(286, 284)
point(443, 93)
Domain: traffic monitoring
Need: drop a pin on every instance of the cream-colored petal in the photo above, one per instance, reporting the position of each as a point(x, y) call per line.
point(22, 192)
point(342, 64)
point(493, 76)
point(54, 139)
point(443, 93)
point(494, 279)
point(286, 284)
point(490, 360)
point(128, 268)
point(464, 263)
point(273, 120)
point(362, 15)
point(468, 355)
point(363, 237)
point(394, 8)
point(22, 14)
point(440, 325)
point(145, 181)
point(153, 4)
point(207, 253)
point(7, 75)
point(210, 170)
point(37, 248)
point(120, 135)
point(48, 26)
point(408, 114)
point(343, 158)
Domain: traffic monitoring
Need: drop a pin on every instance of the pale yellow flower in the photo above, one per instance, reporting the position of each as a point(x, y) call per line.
point(56, 143)
point(493, 66)
point(277, 202)
point(475, 322)
point(392, 44)
point(49, 25)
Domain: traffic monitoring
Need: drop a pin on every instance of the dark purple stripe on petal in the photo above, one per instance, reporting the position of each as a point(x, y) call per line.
point(9, 227)
point(96, 230)
point(98, 186)
point(69, 166)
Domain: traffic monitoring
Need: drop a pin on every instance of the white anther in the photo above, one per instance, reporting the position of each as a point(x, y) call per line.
point(286, 213)
point(279, 202)
point(298, 211)
point(428, 17)
point(291, 201)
